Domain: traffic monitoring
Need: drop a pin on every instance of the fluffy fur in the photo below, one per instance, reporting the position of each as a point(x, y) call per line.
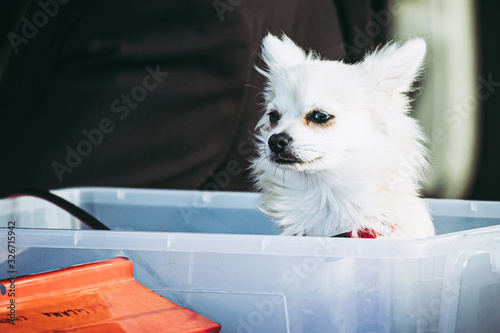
point(358, 169)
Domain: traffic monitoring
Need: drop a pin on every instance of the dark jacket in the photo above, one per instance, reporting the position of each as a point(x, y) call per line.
point(159, 94)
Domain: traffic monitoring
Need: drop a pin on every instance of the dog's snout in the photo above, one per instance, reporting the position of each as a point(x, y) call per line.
point(278, 142)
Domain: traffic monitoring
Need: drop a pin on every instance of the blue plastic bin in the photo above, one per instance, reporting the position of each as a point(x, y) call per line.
point(214, 253)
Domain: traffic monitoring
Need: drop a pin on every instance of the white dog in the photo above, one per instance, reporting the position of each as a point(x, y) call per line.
point(338, 153)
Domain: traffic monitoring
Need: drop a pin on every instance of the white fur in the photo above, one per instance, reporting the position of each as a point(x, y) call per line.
point(361, 172)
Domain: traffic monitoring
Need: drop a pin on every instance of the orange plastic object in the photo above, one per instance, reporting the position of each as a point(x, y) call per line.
point(96, 297)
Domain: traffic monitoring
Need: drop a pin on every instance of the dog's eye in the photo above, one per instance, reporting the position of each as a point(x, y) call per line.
point(321, 117)
point(318, 117)
point(274, 117)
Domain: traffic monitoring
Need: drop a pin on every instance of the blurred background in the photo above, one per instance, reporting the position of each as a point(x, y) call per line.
point(459, 104)
point(459, 101)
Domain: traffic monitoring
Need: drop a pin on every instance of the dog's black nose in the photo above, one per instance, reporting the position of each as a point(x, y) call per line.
point(278, 142)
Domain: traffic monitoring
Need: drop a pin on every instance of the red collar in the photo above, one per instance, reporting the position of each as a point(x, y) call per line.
point(366, 233)
point(363, 233)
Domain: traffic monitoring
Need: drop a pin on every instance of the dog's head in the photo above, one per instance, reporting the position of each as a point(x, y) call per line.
point(318, 112)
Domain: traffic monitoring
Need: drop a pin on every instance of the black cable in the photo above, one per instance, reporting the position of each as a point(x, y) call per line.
point(72, 209)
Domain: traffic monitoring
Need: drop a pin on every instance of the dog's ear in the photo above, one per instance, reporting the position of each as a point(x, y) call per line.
point(280, 53)
point(395, 67)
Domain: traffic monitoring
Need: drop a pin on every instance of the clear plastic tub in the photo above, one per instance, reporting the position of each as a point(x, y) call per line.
point(214, 253)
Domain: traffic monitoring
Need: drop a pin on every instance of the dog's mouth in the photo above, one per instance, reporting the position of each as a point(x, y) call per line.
point(285, 158)
point(280, 152)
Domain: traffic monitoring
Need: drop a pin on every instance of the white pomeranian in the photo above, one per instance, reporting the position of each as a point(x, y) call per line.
point(338, 153)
